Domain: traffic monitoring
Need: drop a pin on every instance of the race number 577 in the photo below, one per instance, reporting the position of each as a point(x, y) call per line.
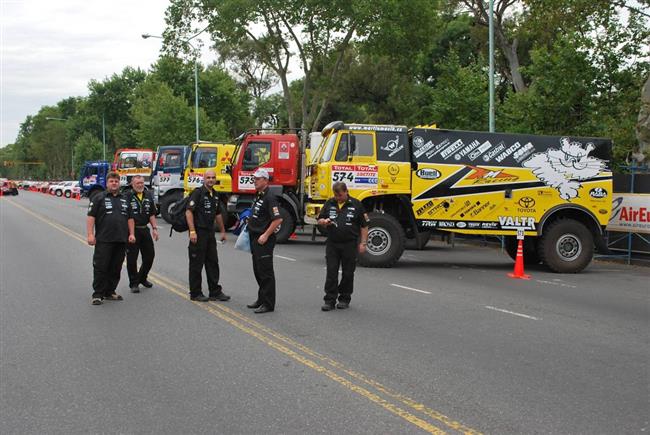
point(342, 176)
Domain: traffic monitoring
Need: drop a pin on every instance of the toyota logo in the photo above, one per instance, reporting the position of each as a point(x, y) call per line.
point(527, 202)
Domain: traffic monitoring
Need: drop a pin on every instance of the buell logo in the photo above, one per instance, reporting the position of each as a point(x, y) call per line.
point(526, 202)
point(487, 176)
point(515, 223)
point(598, 192)
point(428, 174)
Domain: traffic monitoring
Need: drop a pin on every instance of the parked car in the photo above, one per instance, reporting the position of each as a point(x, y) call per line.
point(9, 188)
point(71, 188)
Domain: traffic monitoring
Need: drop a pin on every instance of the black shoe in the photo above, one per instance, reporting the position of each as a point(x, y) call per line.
point(263, 309)
point(343, 305)
point(220, 297)
point(199, 298)
point(96, 301)
point(327, 307)
point(135, 289)
point(146, 283)
point(254, 305)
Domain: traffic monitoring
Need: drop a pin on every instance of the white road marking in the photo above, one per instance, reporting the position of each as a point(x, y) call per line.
point(511, 312)
point(411, 288)
point(561, 284)
point(286, 258)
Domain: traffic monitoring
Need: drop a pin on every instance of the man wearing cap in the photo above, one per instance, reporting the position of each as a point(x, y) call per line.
point(261, 227)
point(203, 214)
point(347, 233)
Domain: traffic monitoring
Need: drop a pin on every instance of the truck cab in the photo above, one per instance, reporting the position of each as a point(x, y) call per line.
point(278, 153)
point(92, 177)
point(128, 162)
point(215, 156)
point(167, 177)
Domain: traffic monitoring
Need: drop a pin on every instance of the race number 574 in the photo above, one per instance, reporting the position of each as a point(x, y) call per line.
point(342, 176)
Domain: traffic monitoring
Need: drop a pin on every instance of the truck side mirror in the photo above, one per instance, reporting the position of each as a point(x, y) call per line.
point(352, 147)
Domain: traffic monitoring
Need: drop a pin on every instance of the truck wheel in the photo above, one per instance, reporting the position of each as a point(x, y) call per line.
point(418, 242)
point(531, 256)
point(566, 246)
point(286, 228)
point(386, 241)
point(167, 202)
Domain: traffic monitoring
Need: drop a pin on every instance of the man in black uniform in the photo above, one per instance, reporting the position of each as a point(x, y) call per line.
point(261, 227)
point(203, 214)
point(108, 213)
point(142, 211)
point(345, 220)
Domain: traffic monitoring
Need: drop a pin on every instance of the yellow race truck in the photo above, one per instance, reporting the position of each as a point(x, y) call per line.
point(203, 157)
point(555, 190)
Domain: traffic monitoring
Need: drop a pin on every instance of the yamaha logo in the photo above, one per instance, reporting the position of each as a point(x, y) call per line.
point(598, 192)
point(526, 202)
point(428, 174)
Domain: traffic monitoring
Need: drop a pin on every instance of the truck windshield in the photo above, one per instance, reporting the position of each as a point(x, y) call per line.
point(170, 161)
point(204, 157)
point(329, 148)
point(130, 160)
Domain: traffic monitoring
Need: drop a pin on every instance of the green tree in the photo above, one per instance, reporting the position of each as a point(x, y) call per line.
point(164, 118)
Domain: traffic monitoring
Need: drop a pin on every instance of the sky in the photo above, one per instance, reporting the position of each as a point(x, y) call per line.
point(50, 50)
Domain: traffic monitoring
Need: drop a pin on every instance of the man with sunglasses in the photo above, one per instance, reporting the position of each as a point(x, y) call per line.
point(203, 216)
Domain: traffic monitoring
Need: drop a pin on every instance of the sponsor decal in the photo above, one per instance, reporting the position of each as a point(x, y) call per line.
point(441, 146)
point(393, 169)
point(493, 152)
point(283, 153)
point(544, 193)
point(428, 173)
point(481, 208)
point(418, 142)
point(598, 193)
point(356, 176)
point(393, 146)
point(471, 147)
point(420, 211)
point(423, 149)
point(526, 202)
point(483, 148)
point(487, 176)
point(516, 222)
point(388, 128)
point(501, 157)
point(452, 149)
point(429, 224)
point(461, 224)
point(564, 169)
point(523, 153)
point(630, 213)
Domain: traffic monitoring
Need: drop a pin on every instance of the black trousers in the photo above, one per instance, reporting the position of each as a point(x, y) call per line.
point(204, 253)
point(144, 245)
point(107, 265)
point(263, 269)
point(342, 254)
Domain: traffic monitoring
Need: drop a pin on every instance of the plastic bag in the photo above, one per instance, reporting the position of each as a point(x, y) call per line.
point(243, 242)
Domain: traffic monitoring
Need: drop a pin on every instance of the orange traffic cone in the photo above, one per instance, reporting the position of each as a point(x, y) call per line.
point(78, 196)
point(519, 263)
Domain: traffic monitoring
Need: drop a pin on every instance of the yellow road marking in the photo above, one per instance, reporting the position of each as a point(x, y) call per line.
point(225, 314)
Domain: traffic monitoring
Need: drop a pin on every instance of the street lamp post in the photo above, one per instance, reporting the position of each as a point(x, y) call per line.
point(196, 79)
point(491, 68)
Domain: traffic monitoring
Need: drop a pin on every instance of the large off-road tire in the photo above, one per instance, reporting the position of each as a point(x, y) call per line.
point(386, 241)
point(531, 255)
point(418, 242)
point(287, 227)
point(566, 246)
point(167, 203)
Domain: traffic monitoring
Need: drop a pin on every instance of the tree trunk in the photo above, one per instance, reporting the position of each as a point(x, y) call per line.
point(510, 52)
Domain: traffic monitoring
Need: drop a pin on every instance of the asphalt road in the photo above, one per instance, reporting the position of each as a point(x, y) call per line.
point(443, 343)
